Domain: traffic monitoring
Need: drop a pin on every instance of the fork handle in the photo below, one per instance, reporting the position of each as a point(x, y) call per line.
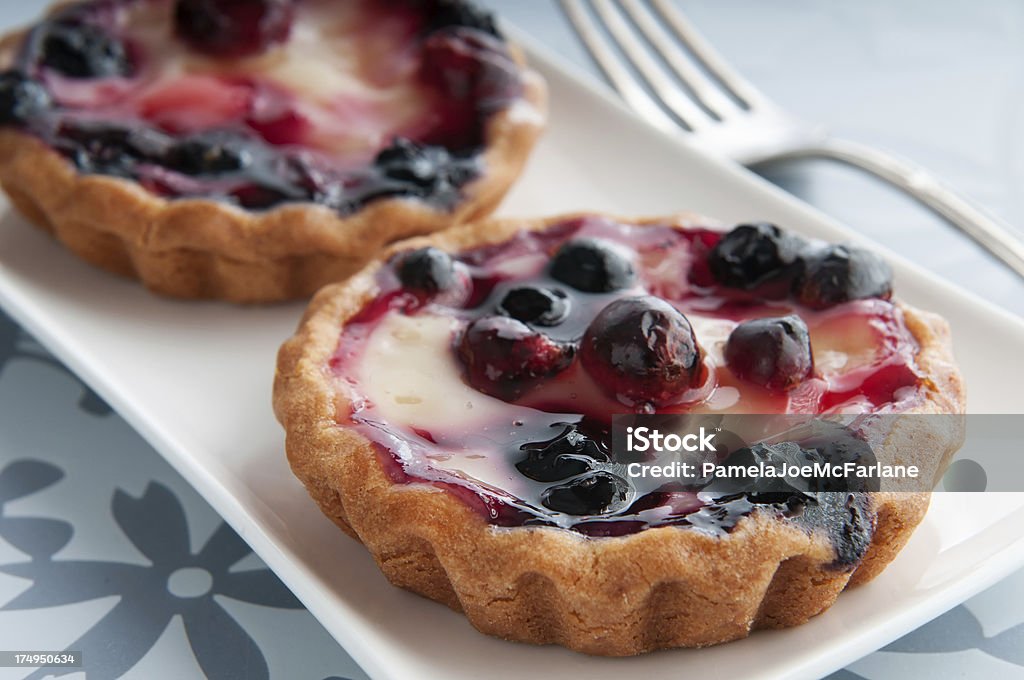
point(993, 234)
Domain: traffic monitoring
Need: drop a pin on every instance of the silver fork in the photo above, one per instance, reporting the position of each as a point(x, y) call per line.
point(728, 115)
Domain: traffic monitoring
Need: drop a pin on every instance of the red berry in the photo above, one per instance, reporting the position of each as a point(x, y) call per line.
point(641, 350)
point(233, 28)
point(504, 357)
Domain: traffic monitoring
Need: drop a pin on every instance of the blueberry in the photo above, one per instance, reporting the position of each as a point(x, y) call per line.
point(98, 146)
point(21, 98)
point(538, 306)
point(772, 352)
point(592, 266)
point(505, 358)
point(569, 454)
point(595, 493)
point(429, 171)
point(766, 488)
point(426, 270)
point(641, 350)
point(408, 162)
point(448, 13)
point(233, 28)
point(210, 153)
point(753, 254)
point(838, 445)
point(840, 273)
point(83, 50)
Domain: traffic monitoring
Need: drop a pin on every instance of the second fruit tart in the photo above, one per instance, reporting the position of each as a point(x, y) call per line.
point(253, 150)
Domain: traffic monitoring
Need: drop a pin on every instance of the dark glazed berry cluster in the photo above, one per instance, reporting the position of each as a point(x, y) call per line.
point(232, 28)
point(752, 255)
point(764, 259)
point(78, 49)
point(255, 160)
point(21, 98)
point(571, 453)
point(561, 324)
point(589, 494)
point(640, 350)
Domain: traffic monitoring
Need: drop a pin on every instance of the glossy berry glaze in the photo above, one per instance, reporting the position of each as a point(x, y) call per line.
point(260, 102)
point(495, 373)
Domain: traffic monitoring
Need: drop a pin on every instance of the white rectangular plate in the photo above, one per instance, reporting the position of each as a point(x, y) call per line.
point(195, 380)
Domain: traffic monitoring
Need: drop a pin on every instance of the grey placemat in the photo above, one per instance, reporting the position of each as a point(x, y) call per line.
point(104, 548)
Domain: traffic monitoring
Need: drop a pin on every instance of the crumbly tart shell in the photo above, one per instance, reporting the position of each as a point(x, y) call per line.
point(203, 248)
point(659, 588)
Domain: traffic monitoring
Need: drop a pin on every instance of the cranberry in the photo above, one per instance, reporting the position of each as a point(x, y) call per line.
point(82, 50)
point(840, 273)
point(641, 350)
point(233, 28)
point(752, 255)
point(595, 493)
point(448, 13)
point(592, 266)
point(771, 352)
point(538, 306)
point(569, 454)
point(504, 357)
point(21, 98)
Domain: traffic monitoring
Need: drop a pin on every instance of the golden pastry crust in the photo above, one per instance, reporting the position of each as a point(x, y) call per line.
point(658, 588)
point(200, 248)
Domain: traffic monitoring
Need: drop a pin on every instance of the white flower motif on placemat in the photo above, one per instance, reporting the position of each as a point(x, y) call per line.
point(175, 583)
point(37, 537)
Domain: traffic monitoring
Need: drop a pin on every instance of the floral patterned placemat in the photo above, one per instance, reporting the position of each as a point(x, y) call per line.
point(106, 550)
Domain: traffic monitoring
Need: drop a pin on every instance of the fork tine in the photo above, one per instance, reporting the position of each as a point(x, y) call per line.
point(738, 86)
point(613, 67)
point(668, 91)
point(704, 89)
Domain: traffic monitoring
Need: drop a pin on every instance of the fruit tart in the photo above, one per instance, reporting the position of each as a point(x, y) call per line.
point(253, 150)
point(450, 407)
